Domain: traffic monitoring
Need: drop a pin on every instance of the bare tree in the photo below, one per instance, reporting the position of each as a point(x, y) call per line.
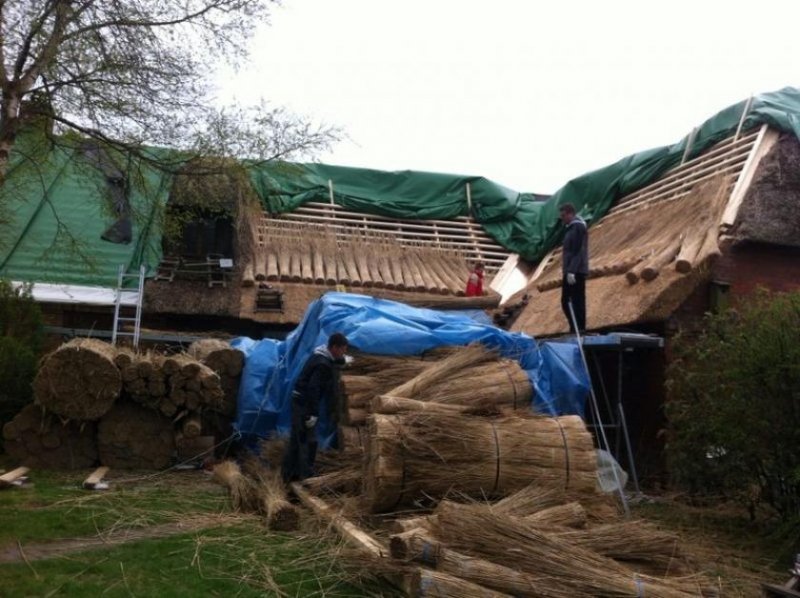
point(134, 72)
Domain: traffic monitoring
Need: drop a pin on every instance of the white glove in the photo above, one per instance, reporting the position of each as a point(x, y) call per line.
point(311, 421)
point(348, 360)
point(570, 278)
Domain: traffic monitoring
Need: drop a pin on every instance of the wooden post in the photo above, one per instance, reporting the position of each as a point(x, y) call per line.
point(95, 478)
point(7, 479)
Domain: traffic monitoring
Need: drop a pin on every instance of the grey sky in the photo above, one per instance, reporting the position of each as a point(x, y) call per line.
point(529, 94)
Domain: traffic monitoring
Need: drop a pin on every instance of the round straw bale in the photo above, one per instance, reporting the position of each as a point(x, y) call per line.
point(37, 439)
point(133, 437)
point(79, 380)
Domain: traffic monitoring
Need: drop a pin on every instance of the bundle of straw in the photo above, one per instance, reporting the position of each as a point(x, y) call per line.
point(599, 508)
point(633, 541)
point(79, 380)
point(418, 545)
point(243, 492)
point(444, 371)
point(481, 533)
point(414, 455)
point(271, 498)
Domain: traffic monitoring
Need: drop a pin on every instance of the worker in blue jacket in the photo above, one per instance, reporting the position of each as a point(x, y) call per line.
point(575, 267)
point(318, 382)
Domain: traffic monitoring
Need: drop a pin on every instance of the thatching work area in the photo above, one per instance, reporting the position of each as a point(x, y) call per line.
point(95, 402)
point(457, 494)
point(308, 253)
point(644, 262)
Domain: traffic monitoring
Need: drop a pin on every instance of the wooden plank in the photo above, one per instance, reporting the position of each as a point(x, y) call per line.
point(348, 530)
point(95, 478)
point(7, 479)
point(766, 141)
point(692, 178)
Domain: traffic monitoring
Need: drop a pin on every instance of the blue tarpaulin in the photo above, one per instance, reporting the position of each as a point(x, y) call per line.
point(385, 327)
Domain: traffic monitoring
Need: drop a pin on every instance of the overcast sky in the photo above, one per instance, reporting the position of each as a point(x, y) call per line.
point(529, 94)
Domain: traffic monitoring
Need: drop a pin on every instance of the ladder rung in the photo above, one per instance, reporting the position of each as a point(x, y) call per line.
point(120, 333)
point(126, 319)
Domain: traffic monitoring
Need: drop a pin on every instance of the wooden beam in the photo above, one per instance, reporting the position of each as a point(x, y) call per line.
point(766, 140)
point(348, 530)
point(7, 479)
point(95, 478)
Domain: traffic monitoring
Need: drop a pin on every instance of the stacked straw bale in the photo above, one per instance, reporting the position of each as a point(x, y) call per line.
point(411, 456)
point(559, 565)
point(192, 386)
point(35, 438)
point(130, 436)
point(79, 380)
point(143, 378)
point(227, 362)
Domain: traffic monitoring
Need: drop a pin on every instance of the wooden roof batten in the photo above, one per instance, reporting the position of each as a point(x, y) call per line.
point(463, 235)
point(737, 157)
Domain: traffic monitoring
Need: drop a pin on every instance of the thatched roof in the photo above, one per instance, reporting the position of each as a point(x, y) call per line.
point(745, 193)
point(769, 211)
point(622, 247)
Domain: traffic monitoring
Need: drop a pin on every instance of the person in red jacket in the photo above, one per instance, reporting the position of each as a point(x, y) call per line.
point(475, 281)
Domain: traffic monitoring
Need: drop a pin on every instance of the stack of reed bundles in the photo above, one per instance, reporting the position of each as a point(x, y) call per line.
point(192, 386)
point(473, 376)
point(411, 456)
point(79, 380)
point(35, 438)
point(227, 362)
point(130, 436)
point(143, 377)
point(557, 563)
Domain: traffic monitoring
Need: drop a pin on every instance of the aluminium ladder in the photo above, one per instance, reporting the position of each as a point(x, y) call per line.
point(121, 320)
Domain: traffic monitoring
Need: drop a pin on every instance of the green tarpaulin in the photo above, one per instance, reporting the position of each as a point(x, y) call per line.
point(518, 221)
point(56, 205)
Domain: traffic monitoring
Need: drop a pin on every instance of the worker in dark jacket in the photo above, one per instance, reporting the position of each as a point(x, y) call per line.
point(318, 382)
point(575, 267)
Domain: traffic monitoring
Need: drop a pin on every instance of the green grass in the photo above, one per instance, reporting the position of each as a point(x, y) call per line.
point(232, 555)
point(233, 561)
point(55, 506)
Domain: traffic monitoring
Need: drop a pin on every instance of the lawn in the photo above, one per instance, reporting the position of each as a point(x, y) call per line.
point(57, 539)
point(174, 534)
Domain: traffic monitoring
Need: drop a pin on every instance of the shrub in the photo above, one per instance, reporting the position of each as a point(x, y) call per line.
point(734, 405)
point(20, 342)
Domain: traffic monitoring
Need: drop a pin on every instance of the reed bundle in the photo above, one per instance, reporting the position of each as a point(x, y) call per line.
point(480, 533)
point(444, 370)
point(144, 380)
point(414, 455)
point(636, 542)
point(417, 545)
point(130, 436)
point(391, 405)
point(79, 380)
point(599, 508)
point(243, 492)
point(425, 583)
point(192, 385)
point(35, 438)
point(345, 480)
point(271, 498)
point(359, 390)
point(571, 514)
point(490, 385)
point(227, 362)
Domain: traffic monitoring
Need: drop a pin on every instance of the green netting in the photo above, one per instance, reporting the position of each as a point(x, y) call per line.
point(54, 207)
point(518, 221)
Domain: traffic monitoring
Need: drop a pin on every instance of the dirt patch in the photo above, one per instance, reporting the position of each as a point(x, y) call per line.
point(45, 550)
